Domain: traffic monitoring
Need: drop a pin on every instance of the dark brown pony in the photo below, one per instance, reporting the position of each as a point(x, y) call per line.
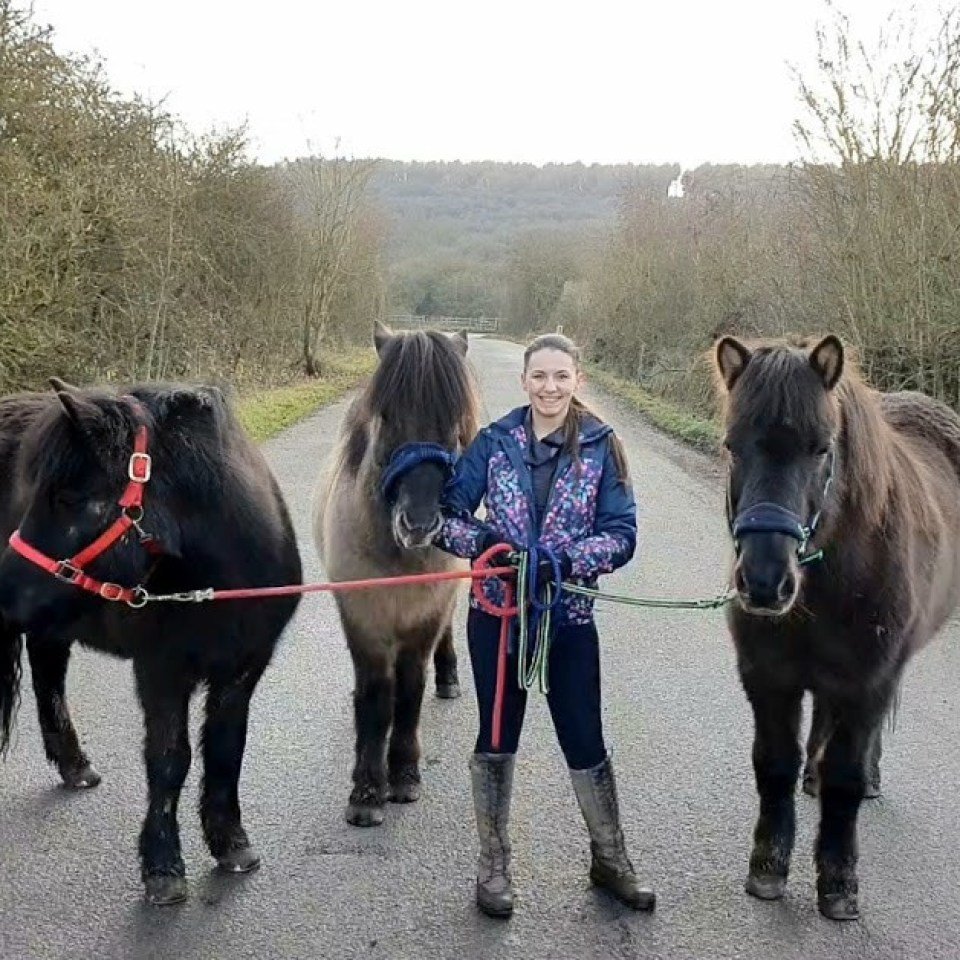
point(376, 513)
point(844, 504)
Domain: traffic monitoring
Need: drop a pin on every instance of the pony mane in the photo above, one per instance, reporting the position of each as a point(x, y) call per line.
point(191, 428)
point(423, 389)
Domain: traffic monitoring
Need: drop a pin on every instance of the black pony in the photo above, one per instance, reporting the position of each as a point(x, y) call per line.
point(112, 496)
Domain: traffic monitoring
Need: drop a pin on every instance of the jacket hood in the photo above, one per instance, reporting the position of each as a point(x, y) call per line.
point(591, 429)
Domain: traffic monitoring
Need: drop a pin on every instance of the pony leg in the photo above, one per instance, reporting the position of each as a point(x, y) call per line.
point(224, 739)
point(164, 694)
point(11, 648)
point(445, 666)
point(816, 742)
point(373, 712)
point(403, 758)
point(48, 665)
point(776, 765)
point(843, 783)
point(874, 755)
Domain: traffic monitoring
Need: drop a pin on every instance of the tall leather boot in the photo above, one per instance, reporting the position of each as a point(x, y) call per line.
point(610, 867)
point(492, 778)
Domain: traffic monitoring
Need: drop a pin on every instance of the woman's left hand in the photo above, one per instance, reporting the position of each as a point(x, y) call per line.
point(545, 568)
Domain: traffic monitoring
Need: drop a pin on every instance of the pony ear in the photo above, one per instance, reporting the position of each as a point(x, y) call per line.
point(382, 335)
point(731, 357)
point(78, 411)
point(187, 400)
point(827, 359)
point(461, 342)
point(61, 386)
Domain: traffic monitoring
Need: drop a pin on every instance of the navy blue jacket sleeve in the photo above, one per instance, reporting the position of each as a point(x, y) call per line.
point(462, 534)
point(614, 539)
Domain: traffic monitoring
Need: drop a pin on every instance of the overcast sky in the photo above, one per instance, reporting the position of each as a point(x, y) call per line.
point(521, 80)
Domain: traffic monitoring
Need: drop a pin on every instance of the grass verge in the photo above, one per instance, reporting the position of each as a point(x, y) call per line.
point(672, 419)
point(265, 413)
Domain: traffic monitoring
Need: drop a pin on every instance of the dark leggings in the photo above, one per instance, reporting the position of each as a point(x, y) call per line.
point(574, 697)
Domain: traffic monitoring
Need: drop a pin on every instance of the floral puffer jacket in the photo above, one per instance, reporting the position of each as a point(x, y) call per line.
point(591, 515)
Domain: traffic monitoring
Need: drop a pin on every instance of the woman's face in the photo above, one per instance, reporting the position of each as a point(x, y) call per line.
point(550, 381)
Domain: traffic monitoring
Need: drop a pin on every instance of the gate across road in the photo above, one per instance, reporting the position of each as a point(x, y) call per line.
point(469, 324)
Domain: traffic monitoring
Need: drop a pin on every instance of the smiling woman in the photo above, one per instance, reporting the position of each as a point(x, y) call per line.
point(554, 479)
point(551, 376)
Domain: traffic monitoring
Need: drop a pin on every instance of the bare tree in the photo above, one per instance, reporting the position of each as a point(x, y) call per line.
point(881, 132)
point(331, 193)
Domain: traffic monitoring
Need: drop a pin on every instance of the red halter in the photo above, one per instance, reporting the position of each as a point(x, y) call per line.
point(131, 513)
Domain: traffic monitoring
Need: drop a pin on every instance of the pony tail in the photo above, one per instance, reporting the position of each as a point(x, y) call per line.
point(11, 646)
point(578, 412)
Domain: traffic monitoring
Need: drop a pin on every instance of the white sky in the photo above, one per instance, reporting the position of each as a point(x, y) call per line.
point(519, 80)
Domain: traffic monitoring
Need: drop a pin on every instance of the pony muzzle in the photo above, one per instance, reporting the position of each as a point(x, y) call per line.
point(766, 577)
point(413, 535)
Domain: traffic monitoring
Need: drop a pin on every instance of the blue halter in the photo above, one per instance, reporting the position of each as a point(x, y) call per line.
point(768, 517)
point(410, 455)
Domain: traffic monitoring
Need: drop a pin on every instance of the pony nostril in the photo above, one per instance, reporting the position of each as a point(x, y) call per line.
point(787, 587)
point(739, 580)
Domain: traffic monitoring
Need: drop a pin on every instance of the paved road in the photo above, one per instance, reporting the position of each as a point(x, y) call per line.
point(675, 716)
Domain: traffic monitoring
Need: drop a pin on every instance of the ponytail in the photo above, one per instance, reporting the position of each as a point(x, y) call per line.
point(579, 412)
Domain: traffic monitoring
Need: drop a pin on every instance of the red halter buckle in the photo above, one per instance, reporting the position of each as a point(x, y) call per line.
point(66, 571)
point(139, 468)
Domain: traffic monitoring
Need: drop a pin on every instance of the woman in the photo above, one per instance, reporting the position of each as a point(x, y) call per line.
point(552, 475)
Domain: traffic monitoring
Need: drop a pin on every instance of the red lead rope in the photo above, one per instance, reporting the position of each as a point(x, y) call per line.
point(506, 613)
point(131, 504)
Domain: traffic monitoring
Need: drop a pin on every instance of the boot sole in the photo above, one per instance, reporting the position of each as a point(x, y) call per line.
point(497, 913)
point(644, 902)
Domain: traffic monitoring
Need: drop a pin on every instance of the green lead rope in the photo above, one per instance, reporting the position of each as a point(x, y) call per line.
point(712, 603)
point(537, 670)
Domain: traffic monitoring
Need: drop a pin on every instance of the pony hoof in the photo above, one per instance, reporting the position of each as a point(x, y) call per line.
point(81, 778)
point(242, 860)
point(839, 906)
point(766, 886)
point(162, 891)
point(363, 816)
point(448, 691)
point(405, 792)
point(811, 786)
